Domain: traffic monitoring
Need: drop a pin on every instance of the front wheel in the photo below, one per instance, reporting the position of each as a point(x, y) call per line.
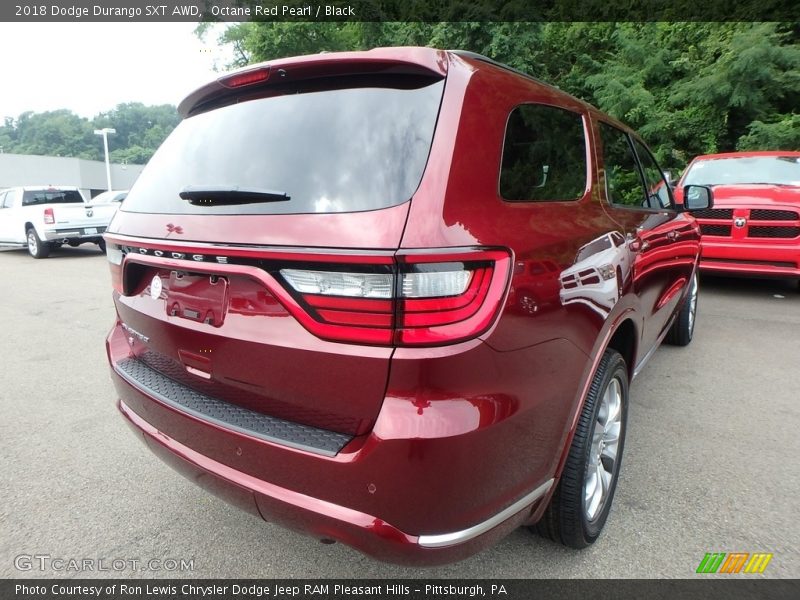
point(682, 329)
point(36, 247)
point(580, 505)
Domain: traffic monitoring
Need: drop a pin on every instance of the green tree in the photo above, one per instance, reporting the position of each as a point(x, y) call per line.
point(138, 127)
point(688, 88)
point(56, 133)
point(140, 131)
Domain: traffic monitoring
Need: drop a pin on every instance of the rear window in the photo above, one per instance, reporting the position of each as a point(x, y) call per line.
point(30, 197)
point(353, 146)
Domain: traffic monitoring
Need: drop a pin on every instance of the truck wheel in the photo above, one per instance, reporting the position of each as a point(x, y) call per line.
point(580, 505)
point(36, 247)
point(682, 330)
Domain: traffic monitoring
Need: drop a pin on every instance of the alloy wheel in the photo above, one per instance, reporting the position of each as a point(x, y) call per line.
point(602, 463)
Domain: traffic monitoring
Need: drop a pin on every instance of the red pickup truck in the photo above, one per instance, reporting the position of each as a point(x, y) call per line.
point(754, 227)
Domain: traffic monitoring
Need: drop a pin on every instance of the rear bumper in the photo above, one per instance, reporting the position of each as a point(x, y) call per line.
point(397, 496)
point(74, 233)
point(325, 520)
point(765, 259)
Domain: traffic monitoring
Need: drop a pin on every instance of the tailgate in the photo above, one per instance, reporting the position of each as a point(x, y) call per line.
point(218, 320)
point(259, 242)
point(83, 216)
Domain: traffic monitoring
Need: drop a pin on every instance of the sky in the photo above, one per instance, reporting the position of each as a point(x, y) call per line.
point(91, 67)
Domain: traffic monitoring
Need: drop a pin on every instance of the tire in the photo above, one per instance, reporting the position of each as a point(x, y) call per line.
point(682, 329)
point(579, 509)
point(36, 247)
point(102, 245)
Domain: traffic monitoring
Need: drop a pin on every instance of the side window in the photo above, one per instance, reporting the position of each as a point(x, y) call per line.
point(544, 155)
point(623, 178)
point(658, 194)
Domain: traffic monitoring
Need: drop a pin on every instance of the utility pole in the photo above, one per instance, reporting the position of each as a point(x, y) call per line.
point(104, 132)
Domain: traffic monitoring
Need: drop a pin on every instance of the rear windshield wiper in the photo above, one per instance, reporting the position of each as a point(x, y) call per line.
point(210, 195)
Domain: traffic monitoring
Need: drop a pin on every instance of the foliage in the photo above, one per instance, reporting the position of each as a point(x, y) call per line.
point(140, 131)
point(688, 88)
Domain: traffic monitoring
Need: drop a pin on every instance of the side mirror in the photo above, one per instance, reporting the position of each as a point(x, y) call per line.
point(697, 197)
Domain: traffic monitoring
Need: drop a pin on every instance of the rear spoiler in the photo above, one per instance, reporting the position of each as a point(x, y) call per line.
point(381, 61)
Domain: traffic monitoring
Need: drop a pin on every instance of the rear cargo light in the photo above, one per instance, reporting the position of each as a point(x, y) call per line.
point(49, 218)
point(423, 300)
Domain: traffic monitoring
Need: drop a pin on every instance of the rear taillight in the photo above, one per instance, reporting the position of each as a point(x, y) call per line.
point(49, 218)
point(114, 255)
point(346, 285)
point(422, 299)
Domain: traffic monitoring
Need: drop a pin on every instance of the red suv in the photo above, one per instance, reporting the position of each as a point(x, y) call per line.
point(313, 281)
point(755, 226)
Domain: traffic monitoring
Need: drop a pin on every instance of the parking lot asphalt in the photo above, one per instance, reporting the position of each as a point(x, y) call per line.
point(710, 460)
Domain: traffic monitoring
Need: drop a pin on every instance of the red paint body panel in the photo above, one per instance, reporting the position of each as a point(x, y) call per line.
point(442, 437)
point(740, 249)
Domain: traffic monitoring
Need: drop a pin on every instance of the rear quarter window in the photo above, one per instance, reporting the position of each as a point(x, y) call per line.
point(544, 155)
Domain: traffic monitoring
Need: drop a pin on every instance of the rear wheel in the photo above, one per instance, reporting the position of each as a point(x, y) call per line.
point(580, 505)
point(682, 330)
point(36, 247)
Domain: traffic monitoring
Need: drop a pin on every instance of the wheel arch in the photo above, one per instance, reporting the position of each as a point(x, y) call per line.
point(623, 337)
point(623, 340)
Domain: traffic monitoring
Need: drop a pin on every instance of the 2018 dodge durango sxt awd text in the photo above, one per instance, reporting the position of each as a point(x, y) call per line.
point(315, 281)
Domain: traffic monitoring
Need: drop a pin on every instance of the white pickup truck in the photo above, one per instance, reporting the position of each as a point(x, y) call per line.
point(43, 218)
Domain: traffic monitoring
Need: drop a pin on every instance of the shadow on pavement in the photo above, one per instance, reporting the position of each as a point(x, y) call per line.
point(750, 286)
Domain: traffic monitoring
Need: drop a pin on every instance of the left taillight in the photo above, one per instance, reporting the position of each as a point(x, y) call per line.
point(421, 299)
point(114, 255)
point(49, 218)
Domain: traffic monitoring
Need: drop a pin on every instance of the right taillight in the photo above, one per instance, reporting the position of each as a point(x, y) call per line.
point(422, 299)
point(49, 218)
